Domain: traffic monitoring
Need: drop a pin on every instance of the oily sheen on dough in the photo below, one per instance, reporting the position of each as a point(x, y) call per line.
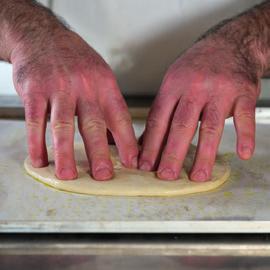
point(127, 182)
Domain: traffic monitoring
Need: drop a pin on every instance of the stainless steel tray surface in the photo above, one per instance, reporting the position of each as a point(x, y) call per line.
point(240, 205)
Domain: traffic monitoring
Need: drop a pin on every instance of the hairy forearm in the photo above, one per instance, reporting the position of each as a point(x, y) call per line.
point(24, 22)
point(248, 35)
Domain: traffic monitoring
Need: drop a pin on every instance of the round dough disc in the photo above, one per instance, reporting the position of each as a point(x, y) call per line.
point(127, 182)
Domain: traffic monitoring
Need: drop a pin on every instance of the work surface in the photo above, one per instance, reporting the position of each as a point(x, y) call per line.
point(240, 205)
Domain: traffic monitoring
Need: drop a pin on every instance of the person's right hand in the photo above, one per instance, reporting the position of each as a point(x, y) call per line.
point(63, 75)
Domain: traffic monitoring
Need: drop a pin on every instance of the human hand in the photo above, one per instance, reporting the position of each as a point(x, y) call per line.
point(209, 82)
point(63, 75)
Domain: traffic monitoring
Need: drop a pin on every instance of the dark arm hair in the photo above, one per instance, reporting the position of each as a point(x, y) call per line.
point(25, 21)
point(249, 34)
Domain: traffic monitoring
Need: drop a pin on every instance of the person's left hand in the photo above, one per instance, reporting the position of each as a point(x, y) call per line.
point(210, 82)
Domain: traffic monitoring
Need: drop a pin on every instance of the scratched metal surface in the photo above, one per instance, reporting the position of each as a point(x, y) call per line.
point(241, 205)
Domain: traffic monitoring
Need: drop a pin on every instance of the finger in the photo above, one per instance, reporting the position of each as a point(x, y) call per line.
point(93, 130)
point(244, 121)
point(36, 120)
point(210, 133)
point(120, 125)
point(62, 124)
point(182, 130)
point(155, 131)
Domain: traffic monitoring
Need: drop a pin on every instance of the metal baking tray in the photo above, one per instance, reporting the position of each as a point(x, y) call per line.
point(241, 205)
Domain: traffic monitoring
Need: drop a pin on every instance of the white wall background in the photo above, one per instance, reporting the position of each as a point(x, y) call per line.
point(139, 38)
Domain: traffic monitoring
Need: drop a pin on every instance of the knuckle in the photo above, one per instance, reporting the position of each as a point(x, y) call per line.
point(212, 124)
point(117, 110)
point(92, 125)
point(33, 124)
point(210, 130)
point(213, 116)
point(245, 115)
point(152, 123)
point(170, 156)
point(247, 100)
point(123, 120)
point(33, 103)
point(35, 111)
point(32, 114)
point(245, 109)
point(62, 125)
point(87, 107)
point(186, 116)
point(62, 96)
point(116, 103)
point(29, 101)
point(182, 124)
point(161, 101)
point(65, 100)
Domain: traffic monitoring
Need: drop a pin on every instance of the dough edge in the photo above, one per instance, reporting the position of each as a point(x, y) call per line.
point(169, 189)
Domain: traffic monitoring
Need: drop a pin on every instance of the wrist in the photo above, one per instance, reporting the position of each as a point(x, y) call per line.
point(248, 37)
point(34, 45)
point(240, 53)
point(24, 23)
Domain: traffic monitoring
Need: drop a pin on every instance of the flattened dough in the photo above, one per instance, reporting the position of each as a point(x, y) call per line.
point(127, 182)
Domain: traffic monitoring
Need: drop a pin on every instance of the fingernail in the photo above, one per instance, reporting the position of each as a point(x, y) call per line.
point(145, 166)
point(103, 174)
point(67, 174)
point(246, 152)
point(199, 176)
point(167, 174)
point(135, 162)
